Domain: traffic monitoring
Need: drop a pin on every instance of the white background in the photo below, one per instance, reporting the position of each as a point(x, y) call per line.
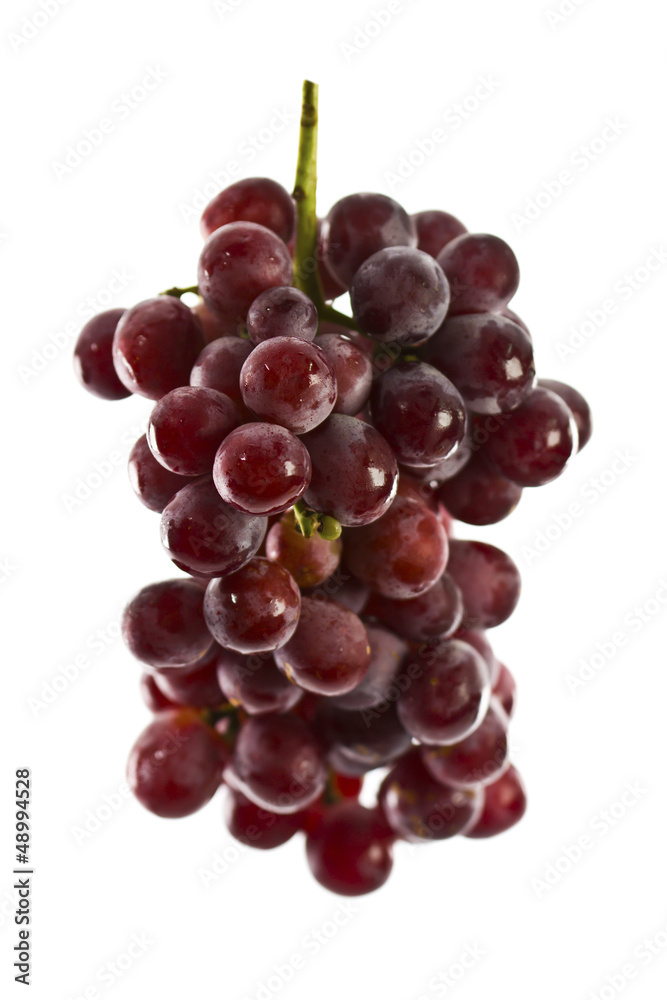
point(127, 208)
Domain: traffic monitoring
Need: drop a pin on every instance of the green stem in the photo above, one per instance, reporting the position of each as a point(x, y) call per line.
point(304, 194)
point(177, 292)
point(308, 522)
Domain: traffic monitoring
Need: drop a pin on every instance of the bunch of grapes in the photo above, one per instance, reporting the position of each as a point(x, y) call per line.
point(307, 466)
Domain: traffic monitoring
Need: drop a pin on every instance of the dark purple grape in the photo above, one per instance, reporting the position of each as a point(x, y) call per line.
point(194, 685)
point(420, 809)
point(278, 763)
point(331, 287)
point(282, 312)
point(93, 357)
point(175, 766)
point(505, 690)
point(399, 295)
point(360, 741)
point(253, 199)
point(535, 441)
point(448, 696)
point(329, 653)
point(358, 226)
point(342, 588)
point(477, 760)
point(311, 561)
point(219, 367)
point(155, 346)
point(478, 494)
point(187, 426)
point(290, 382)
point(482, 271)
point(353, 370)
point(349, 851)
point(153, 697)
point(400, 555)
point(239, 261)
point(255, 683)
point(509, 314)
point(261, 468)
point(257, 827)
point(153, 484)
point(254, 609)
point(503, 806)
point(419, 412)
point(435, 614)
point(488, 358)
point(387, 653)
point(435, 230)
point(488, 579)
point(204, 535)
point(577, 405)
point(355, 473)
point(163, 625)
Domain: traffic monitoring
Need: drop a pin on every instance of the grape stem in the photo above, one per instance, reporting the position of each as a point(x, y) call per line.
point(306, 250)
point(308, 522)
point(176, 293)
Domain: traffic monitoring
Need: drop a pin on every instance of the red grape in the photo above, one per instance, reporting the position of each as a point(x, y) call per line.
point(353, 371)
point(175, 766)
point(155, 346)
point(387, 653)
point(505, 690)
point(535, 441)
point(93, 358)
point(482, 271)
point(420, 809)
point(219, 367)
point(577, 405)
point(478, 759)
point(435, 230)
point(204, 535)
point(278, 763)
point(239, 261)
point(255, 826)
point(187, 426)
point(163, 625)
point(399, 295)
point(329, 653)
point(152, 483)
point(282, 312)
point(255, 683)
point(355, 473)
point(478, 494)
point(194, 685)
point(503, 806)
point(290, 382)
point(254, 609)
point(448, 696)
point(488, 580)
point(360, 741)
point(358, 226)
point(310, 560)
point(400, 555)
point(253, 199)
point(261, 468)
point(435, 614)
point(349, 851)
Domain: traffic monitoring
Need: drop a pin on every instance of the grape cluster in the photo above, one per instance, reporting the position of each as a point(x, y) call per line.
point(307, 466)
